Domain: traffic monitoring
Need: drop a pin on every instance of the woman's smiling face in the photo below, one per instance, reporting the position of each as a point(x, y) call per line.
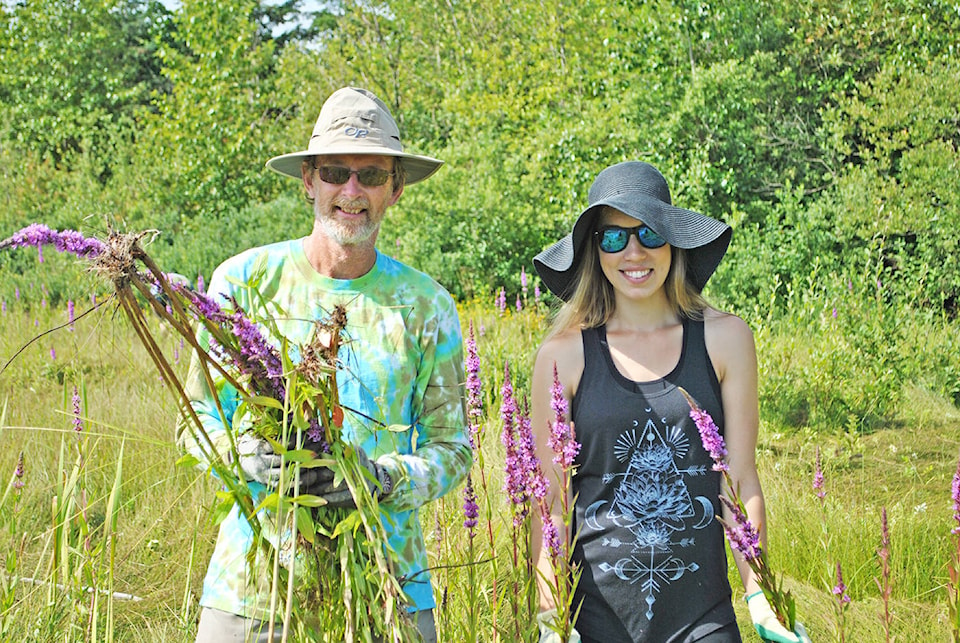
point(635, 272)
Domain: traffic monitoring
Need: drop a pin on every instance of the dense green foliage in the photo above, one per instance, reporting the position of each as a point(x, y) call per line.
point(826, 133)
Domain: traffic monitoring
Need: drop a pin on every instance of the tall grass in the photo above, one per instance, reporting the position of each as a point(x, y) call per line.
point(149, 533)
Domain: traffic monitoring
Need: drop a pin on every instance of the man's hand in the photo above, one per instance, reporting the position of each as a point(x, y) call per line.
point(319, 481)
point(766, 623)
point(545, 621)
point(257, 460)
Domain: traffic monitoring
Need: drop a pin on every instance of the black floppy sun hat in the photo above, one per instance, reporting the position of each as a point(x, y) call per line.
point(640, 191)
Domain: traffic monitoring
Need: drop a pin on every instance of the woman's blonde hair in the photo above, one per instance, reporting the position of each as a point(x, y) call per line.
point(592, 302)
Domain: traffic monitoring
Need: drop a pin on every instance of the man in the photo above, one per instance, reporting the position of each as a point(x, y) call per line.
point(402, 358)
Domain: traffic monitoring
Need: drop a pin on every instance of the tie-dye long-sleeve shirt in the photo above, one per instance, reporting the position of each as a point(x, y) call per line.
point(402, 366)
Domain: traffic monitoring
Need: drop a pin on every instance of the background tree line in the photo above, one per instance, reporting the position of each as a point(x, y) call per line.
point(825, 132)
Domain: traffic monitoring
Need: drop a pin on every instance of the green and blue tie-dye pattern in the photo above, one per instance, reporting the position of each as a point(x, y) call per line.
point(402, 360)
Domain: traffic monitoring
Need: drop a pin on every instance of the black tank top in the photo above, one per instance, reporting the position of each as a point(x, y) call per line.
point(650, 547)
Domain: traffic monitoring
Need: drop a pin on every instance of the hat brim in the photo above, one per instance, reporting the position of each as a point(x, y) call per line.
point(705, 239)
point(417, 167)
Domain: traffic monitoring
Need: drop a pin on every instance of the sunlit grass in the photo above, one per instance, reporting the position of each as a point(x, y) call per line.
point(164, 536)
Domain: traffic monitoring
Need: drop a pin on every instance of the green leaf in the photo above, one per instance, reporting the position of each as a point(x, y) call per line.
point(188, 460)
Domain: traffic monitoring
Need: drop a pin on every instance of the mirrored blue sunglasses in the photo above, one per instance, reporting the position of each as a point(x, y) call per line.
point(614, 238)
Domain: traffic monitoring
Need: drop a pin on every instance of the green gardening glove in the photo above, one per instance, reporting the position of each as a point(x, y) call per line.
point(766, 623)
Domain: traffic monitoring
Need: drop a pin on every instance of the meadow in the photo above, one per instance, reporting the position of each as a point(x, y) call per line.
point(103, 504)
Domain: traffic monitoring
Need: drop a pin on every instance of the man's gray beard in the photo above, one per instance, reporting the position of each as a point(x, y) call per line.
point(346, 235)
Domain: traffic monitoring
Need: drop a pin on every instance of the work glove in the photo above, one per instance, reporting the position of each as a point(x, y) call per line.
point(545, 621)
point(766, 623)
point(319, 481)
point(257, 460)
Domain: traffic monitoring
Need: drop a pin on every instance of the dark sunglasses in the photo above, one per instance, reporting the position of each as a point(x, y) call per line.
point(613, 238)
point(368, 176)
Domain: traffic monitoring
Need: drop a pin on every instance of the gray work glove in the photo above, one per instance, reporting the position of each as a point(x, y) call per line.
point(257, 460)
point(318, 481)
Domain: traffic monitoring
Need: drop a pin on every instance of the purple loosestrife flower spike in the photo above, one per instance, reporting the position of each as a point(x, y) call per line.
point(16, 293)
point(39, 235)
point(53, 353)
point(77, 422)
point(743, 536)
point(474, 390)
point(523, 278)
point(515, 483)
point(561, 439)
point(18, 473)
point(551, 535)
point(70, 314)
point(955, 494)
point(519, 304)
point(470, 509)
point(818, 479)
point(709, 434)
point(536, 293)
point(840, 589)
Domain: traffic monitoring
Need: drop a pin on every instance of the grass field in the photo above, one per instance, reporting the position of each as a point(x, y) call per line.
point(106, 506)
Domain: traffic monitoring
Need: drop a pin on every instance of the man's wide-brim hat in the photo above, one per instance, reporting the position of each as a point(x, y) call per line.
point(354, 121)
point(639, 190)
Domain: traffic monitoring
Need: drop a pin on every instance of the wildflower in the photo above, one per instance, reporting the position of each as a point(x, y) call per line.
point(955, 494)
point(200, 285)
point(77, 422)
point(515, 483)
point(53, 353)
point(744, 537)
point(523, 279)
point(519, 304)
point(840, 589)
point(16, 292)
point(18, 474)
point(501, 301)
point(39, 235)
point(709, 434)
point(536, 293)
point(474, 397)
point(470, 509)
point(70, 314)
point(561, 439)
point(818, 480)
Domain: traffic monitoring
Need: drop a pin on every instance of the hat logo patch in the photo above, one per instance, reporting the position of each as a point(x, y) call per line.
point(356, 132)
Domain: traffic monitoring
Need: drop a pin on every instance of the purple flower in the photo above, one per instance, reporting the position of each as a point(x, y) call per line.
point(955, 494)
point(840, 589)
point(474, 390)
point(818, 480)
point(551, 537)
point(501, 301)
point(253, 355)
point(16, 292)
point(39, 235)
point(18, 473)
point(519, 304)
point(70, 314)
point(536, 293)
point(200, 285)
point(523, 278)
point(709, 435)
point(561, 439)
point(77, 422)
point(53, 353)
point(470, 509)
point(515, 479)
point(744, 537)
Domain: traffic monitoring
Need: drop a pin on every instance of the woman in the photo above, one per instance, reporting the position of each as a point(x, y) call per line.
point(633, 329)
